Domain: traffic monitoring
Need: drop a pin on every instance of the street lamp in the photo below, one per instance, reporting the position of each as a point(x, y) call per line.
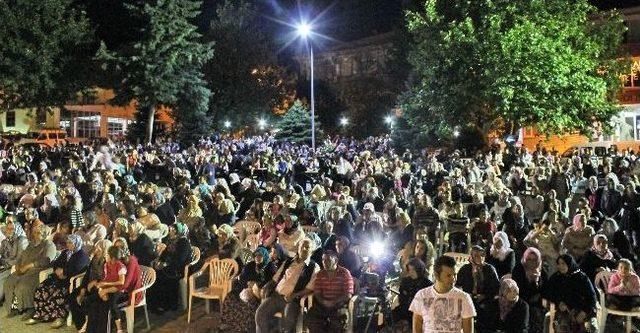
point(304, 31)
point(456, 133)
point(344, 121)
point(227, 124)
point(262, 123)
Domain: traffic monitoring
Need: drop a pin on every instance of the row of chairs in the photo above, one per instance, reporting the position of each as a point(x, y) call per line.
point(148, 279)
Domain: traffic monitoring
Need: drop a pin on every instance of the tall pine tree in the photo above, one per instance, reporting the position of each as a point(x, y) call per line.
point(164, 67)
point(295, 125)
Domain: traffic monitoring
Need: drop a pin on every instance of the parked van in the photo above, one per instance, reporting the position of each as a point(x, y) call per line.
point(44, 137)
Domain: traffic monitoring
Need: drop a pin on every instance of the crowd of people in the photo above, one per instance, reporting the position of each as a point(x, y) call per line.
point(537, 229)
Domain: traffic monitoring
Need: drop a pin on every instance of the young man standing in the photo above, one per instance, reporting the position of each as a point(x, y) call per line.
point(442, 308)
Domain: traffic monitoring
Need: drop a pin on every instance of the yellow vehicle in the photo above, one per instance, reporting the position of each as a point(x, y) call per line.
point(44, 137)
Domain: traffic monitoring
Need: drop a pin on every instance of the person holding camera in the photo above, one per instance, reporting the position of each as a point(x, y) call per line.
point(293, 281)
point(332, 289)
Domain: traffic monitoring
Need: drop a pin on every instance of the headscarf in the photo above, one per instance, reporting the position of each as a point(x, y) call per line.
point(18, 232)
point(138, 227)
point(576, 222)
point(265, 255)
point(507, 285)
point(502, 252)
point(227, 230)
point(125, 248)
point(181, 229)
point(606, 254)
point(533, 273)
point(571, 263)
point(77, 243)
point(97, 264)
point(122, 223)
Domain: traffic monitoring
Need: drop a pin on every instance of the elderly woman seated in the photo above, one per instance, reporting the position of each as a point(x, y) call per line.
point(10, 248)
point(50, 297)
point(20, 286)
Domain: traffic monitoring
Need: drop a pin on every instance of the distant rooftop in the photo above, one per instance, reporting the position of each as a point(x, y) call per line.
point(611, 4)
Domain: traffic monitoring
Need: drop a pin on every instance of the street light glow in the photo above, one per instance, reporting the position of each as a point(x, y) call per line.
point(344, 121)
point(456, 133)
point(262, 123)
point(304, 29)
point(388, 119)
point(227, 124)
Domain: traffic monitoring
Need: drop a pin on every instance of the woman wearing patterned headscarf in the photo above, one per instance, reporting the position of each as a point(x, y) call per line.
point(241, 304)
point(10, 247)
point(87, 291)
point(21, 284)
point(531, 275)
point(51, 294)
point(164, 295)
point(513, 311)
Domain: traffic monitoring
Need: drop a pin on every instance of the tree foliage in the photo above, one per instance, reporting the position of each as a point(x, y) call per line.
point(164, 67)
point(295, 125)
point(246, 81)
point(504, 64)
point(44, 53)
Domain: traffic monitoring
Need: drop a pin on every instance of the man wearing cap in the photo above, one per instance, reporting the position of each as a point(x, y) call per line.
point(332, 290)
point(293, 281)
point(369, 227)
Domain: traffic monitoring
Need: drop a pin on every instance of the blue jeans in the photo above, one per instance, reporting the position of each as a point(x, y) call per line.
point(273, 304)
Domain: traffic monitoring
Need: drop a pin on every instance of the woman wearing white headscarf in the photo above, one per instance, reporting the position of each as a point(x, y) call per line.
point(10, 248)
point(50, 297)
point(501, 255)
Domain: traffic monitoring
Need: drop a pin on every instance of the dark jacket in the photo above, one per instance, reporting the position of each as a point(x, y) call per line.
point(71, 267)
point(177, 256)
point(505, 266)
point(591, 262)
point(260, 275)
point(165, 213)
point(517, 320)
point(489, 287)
point(573, 289)
point(143, 249)
point(530, 291)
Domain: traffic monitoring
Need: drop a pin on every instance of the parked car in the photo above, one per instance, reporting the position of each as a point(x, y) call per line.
point(44, 137)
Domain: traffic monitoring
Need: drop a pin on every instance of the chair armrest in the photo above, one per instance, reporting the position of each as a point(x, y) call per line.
point(74, 282)
point(44, 274)
point(602, 296)
point(194, 276)
point(132, 301)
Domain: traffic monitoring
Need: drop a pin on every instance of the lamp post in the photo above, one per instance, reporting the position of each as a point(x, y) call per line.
point(304, 31)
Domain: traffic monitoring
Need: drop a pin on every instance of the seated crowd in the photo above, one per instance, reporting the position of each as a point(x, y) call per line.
point(535, 231)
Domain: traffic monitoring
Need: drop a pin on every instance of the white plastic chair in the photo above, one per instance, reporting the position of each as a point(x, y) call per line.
point(184, 282)
point(148, 276)
point(74, 283)
point(602, 280)
point(221, 274)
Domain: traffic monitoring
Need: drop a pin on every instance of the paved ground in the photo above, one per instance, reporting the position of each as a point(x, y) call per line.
point(170, 322)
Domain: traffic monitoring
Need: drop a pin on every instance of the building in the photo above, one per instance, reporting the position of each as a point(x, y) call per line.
point(344, 62)
point(90, 118)
point(626, 125)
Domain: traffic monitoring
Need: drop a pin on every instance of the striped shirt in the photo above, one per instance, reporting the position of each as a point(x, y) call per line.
point(334, 287)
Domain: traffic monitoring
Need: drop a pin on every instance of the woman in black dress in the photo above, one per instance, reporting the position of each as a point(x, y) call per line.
point(415, 280)
point(240, 306)
point(174, 257)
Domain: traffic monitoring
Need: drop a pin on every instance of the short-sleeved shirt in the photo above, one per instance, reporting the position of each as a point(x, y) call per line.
point(334, 287)
point(442, 313)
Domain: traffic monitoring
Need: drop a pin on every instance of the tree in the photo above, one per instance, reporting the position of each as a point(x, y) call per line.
point(245, 78)
point(163, 64)
point(45, 57)
point(504, 64)
point(295, 125)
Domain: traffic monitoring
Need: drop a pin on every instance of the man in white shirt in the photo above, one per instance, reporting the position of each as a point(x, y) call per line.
point(293, 281)
point(442, 308)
